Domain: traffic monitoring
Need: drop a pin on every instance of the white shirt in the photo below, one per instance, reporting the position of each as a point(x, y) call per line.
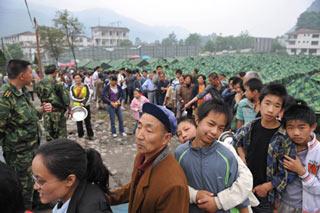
point(63, 208)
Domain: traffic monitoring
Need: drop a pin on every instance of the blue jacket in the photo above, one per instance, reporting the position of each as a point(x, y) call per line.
point(212, 168)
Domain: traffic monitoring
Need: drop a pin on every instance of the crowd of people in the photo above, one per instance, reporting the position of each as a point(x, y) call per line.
point(271, 165)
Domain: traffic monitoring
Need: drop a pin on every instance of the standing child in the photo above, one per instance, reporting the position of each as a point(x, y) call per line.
point(256, 139)
point(136, 105)
point(303, 194)
point(209, 165)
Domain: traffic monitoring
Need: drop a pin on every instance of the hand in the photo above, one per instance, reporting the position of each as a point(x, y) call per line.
point(47, 107)
point(202, 194)
point(294, 165)
point(187, 105)
point(263, 189)
point(207, 204)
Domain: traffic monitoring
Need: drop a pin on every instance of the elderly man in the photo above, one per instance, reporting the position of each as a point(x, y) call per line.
point(158, 184)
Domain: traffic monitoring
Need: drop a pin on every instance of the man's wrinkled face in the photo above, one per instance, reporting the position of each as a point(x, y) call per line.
point(151, 135)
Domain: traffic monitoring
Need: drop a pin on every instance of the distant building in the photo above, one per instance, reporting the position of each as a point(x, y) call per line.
point(83, 41)
point(27, 41)
point(262, 45)
point(108, 36)
point(304, 41)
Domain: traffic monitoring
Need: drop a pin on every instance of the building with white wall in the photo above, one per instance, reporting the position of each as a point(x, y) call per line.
point(108, 36)
point(304, 41)
point(27, 41)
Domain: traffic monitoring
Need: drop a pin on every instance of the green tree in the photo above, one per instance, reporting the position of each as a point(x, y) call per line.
point(3, 62)
point(70, 26)
point(244, 40)
point(194, 39)
point(137, 41)
point(276, 46)
point(52, 40)
point(14, 51)
point(125, 43)
point(309, 20)
point(210, 46)
point(171, 40)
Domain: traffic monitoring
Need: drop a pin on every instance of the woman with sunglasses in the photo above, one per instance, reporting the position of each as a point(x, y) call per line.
point(75, 178)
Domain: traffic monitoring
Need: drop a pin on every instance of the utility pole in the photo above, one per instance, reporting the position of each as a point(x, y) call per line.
point(38, 48)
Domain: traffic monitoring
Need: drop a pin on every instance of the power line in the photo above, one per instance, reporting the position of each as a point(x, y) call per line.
point(25, 1)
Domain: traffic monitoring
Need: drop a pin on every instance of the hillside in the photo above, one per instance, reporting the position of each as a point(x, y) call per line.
point(14, 19)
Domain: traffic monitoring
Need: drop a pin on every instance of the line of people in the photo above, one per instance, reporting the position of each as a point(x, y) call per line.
point(273, 164)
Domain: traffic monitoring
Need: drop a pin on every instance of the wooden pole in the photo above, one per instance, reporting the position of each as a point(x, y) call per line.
point(38, 48)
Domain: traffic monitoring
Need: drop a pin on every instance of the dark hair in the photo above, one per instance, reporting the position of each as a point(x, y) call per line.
point(213, 75)
point(196, 70)
point(113, 78)
point(138, 90)
point(63, 157)
point(300, 111)
point(236, 80)
point(11, 199)
point(15, 67)
point(179, 71)
point(232, 78)
point(203, 76)
point(159, 66)
point(186, 119)
point(77, 73)
point(242, 74)
point(254, 84)
point(188, 75)
point(145, 71)
point(217, 106)
point(274, 89)
point(50, 69)
point(97, 67)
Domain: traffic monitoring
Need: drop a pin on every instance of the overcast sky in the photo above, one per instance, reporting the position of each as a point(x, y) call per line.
point(267, 18)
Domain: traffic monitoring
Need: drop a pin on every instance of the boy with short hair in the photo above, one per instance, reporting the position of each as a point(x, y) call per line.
point(303, 194)
point(254, 143)
point(248, 108)
point(208, 164)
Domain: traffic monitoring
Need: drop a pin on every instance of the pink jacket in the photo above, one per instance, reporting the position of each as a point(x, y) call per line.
point(136, 106)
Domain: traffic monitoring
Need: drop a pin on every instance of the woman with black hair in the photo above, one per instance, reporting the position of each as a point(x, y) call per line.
point(63, 171)
point(11, 199)
point(80, 94)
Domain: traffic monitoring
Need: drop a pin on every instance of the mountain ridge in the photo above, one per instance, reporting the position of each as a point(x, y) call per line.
point(13, 10)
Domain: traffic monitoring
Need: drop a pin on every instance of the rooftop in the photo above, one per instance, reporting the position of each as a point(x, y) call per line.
point(110, 28)
point(304, 31)
point(20, 34)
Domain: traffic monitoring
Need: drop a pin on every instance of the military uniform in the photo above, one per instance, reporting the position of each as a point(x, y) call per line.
point(55, 122)
point(19, 134)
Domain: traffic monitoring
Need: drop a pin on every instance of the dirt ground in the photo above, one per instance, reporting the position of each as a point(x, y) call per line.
point(117, 153)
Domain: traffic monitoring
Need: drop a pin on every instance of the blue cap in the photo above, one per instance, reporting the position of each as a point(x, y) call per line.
point(164, 115)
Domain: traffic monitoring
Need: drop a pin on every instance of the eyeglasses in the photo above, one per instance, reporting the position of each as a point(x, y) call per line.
point(41, 182)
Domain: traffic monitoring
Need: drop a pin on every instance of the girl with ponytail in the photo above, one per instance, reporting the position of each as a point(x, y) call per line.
point(75, 178)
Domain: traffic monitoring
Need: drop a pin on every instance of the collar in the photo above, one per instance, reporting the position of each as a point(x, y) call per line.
point(204, 150)
point(157, 158)
point(312, 144)
point(15, 91)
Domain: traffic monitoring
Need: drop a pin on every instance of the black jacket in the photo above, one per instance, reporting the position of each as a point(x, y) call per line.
point(88, 198)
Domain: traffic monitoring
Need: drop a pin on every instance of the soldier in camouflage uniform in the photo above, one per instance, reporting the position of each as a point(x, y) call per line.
point(50, 91)
point(19, 130)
